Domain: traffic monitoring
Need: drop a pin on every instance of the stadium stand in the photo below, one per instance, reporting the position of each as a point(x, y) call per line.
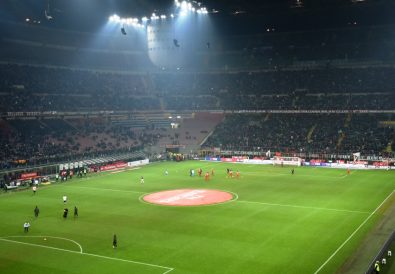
point(324, 133)
point(331, 73)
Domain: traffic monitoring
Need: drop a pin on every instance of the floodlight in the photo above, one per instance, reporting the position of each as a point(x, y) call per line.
point(172, 15)
point(163, 16)
point(144, 19)
point(114, 18)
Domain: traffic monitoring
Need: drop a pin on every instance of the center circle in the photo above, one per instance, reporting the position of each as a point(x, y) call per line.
point(188, 197)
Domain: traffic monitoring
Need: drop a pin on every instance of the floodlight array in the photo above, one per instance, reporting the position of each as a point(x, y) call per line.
point(183, 9)
point(125, 21)
point(194, 6)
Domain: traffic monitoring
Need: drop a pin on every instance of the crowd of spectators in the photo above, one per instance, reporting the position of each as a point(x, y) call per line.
point(258, 72)
point(36, 141)
point(263, 50)
point(26, 88)
point(319, 133)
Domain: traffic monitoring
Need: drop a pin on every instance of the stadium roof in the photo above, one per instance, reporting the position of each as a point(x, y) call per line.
point(89, 15)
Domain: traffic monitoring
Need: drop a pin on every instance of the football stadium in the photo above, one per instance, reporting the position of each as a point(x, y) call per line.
point(188, 137)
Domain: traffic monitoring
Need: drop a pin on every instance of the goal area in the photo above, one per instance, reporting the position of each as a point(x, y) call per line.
point(289, 161)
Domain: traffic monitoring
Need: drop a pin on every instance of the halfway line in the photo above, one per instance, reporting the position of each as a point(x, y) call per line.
point(305, 207)
point(107, 189)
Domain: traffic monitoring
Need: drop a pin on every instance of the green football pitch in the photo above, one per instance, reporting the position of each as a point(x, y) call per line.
point(309, 222)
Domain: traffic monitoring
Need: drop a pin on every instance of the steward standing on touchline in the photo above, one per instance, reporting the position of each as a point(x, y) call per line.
point(377, 267)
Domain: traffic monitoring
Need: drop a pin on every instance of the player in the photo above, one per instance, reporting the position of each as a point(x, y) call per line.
point(142, 180)
point(36, 211)
point(207, 176)
point(34, 189)
point(166, 172)
point(200, 172)
point(65, 213)
point(293, 171)
point(75, 211)
point(230, 173)
point(212, 172)
point(64, 199)
point(237, 174)
point(114, 241)
point(348, 171)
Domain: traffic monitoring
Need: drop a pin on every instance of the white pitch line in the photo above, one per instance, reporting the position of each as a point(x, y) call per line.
point(305, 207)
point(108, 189)
point(168, 269)
point(52, 237)
point(355, 231)
point(295, 175)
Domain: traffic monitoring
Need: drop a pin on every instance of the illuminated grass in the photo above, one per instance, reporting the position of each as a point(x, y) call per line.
point(279, 224)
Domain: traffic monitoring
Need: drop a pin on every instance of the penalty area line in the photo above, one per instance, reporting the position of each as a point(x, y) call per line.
point(168, 269)
point(50, 237)
point(352, 234)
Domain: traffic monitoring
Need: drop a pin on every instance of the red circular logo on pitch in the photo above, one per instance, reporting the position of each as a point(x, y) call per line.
point(188, 197)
